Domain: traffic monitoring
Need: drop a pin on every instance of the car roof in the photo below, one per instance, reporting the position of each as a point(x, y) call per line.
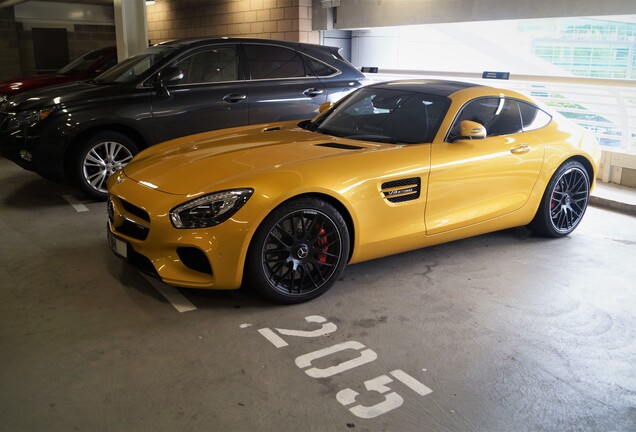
point(211, 40)
point(434, 87)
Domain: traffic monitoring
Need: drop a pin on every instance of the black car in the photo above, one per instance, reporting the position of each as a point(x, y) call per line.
point(86, 131)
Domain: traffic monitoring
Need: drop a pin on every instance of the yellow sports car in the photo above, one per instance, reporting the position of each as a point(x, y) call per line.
point(394, 166)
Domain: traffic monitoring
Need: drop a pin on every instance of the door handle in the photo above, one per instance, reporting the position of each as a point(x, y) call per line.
point(524, 148)
point(312, 92)
point(234, 97)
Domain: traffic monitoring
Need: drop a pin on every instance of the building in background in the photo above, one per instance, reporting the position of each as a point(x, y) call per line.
point(602, 47)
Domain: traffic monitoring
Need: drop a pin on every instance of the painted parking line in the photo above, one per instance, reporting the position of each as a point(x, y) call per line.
point(176, 299)
point(75, 203)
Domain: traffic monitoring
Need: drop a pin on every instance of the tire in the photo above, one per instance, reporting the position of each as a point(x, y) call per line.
point(298, 251)
point(564, 201)
point(97, 159)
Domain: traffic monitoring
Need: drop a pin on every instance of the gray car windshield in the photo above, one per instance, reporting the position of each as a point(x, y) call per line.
point(385, 115)
point(133, 67)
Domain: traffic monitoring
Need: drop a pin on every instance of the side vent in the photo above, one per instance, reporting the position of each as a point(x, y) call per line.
point(402, 190)
point(340, 146)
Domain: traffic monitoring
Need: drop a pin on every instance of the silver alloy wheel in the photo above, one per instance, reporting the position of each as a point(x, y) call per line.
point(102, 161)
point(568, 200)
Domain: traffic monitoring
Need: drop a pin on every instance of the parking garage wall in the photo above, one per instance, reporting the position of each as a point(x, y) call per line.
point(9, 48)
point(274, 19)
point(81, 39)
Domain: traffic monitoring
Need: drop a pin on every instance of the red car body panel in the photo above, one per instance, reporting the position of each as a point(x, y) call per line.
point(104, 58)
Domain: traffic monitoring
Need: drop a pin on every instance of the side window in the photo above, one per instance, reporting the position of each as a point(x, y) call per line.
point(533, 118)
point(216, 64)
point(269, 61)
point(499, 116)
point(320, 69)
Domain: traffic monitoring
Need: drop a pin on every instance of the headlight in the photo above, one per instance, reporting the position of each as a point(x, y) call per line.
point(31, 116)
point(209, 210)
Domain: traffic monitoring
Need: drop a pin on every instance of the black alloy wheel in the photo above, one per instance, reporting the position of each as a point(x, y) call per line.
point(564, 202)
point(299, 251)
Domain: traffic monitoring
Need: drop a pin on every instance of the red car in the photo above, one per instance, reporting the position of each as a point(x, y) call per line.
point(87, 66)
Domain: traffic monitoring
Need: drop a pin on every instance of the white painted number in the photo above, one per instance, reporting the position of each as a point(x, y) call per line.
point(348, 396)
point(325, 329)
point(391, 400)
point(365, 356)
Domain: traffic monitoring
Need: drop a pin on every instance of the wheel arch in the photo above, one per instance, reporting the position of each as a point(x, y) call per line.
point(77, 141)
point(589, 169)
point(337, 204)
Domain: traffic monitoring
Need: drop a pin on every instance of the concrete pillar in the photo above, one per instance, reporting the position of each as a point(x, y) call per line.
point(130, 26)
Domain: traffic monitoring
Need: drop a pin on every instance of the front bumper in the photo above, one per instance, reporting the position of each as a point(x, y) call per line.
point(43, 154)
point(139, 222)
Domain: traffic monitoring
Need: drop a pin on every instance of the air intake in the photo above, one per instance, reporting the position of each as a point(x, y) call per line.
point(402, 190)
point(340, 146)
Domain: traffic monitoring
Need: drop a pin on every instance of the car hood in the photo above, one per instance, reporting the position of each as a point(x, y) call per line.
point(18, 85)
point(203, 163)
point(60, 95)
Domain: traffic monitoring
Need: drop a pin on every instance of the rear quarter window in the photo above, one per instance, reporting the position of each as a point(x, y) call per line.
point(532, 117)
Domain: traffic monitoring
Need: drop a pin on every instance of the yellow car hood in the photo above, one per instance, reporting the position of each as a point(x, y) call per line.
point(198, 163)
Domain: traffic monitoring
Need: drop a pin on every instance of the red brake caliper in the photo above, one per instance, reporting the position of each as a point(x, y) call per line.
point(322, 241)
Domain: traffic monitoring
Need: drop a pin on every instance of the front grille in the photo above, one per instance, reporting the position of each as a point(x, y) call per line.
point(132, 229)
point(402, 190)
point(135, 221)
point(134, 210)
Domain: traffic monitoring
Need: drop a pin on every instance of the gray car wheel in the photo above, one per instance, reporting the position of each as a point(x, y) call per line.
point(99, 157)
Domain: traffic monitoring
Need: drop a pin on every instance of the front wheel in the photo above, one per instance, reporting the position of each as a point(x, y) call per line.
point(564, 201)
point(298, 252)
point(98, 158)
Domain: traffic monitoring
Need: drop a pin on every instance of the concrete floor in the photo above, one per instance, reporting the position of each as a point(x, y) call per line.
point(509, 331)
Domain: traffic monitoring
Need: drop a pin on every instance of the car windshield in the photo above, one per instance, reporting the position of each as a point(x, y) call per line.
point(385, 115)
point(131, 68)
point(79, 65)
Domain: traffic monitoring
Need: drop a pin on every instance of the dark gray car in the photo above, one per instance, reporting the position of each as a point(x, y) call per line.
point(87, 130)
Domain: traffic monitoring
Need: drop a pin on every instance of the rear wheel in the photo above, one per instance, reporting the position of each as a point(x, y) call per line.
point(564, 201)
point(98, 158)
point(298, 252)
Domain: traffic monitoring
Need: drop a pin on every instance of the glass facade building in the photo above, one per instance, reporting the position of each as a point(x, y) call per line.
point(590, 47)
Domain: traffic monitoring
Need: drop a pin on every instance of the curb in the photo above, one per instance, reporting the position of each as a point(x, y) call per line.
point(621, 207)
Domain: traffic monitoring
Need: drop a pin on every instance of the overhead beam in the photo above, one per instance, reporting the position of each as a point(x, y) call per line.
point(356, 14)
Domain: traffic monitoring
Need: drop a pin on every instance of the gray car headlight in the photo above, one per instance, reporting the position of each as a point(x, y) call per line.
point(30, 117)
point(209, 210)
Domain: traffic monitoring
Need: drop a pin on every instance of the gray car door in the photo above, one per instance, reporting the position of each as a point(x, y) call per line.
point(211, 95)
point(281, 85)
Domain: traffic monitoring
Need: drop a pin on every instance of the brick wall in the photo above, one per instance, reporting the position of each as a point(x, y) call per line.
point(83, 39)
point(272, 19)
point(9, 47)
point(90, 37)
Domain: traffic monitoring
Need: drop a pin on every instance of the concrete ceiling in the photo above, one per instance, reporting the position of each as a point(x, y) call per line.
point(7, 3)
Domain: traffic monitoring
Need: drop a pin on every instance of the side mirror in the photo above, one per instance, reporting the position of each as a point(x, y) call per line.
point(325, 106)
point(470, 130)
point(168, 76)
